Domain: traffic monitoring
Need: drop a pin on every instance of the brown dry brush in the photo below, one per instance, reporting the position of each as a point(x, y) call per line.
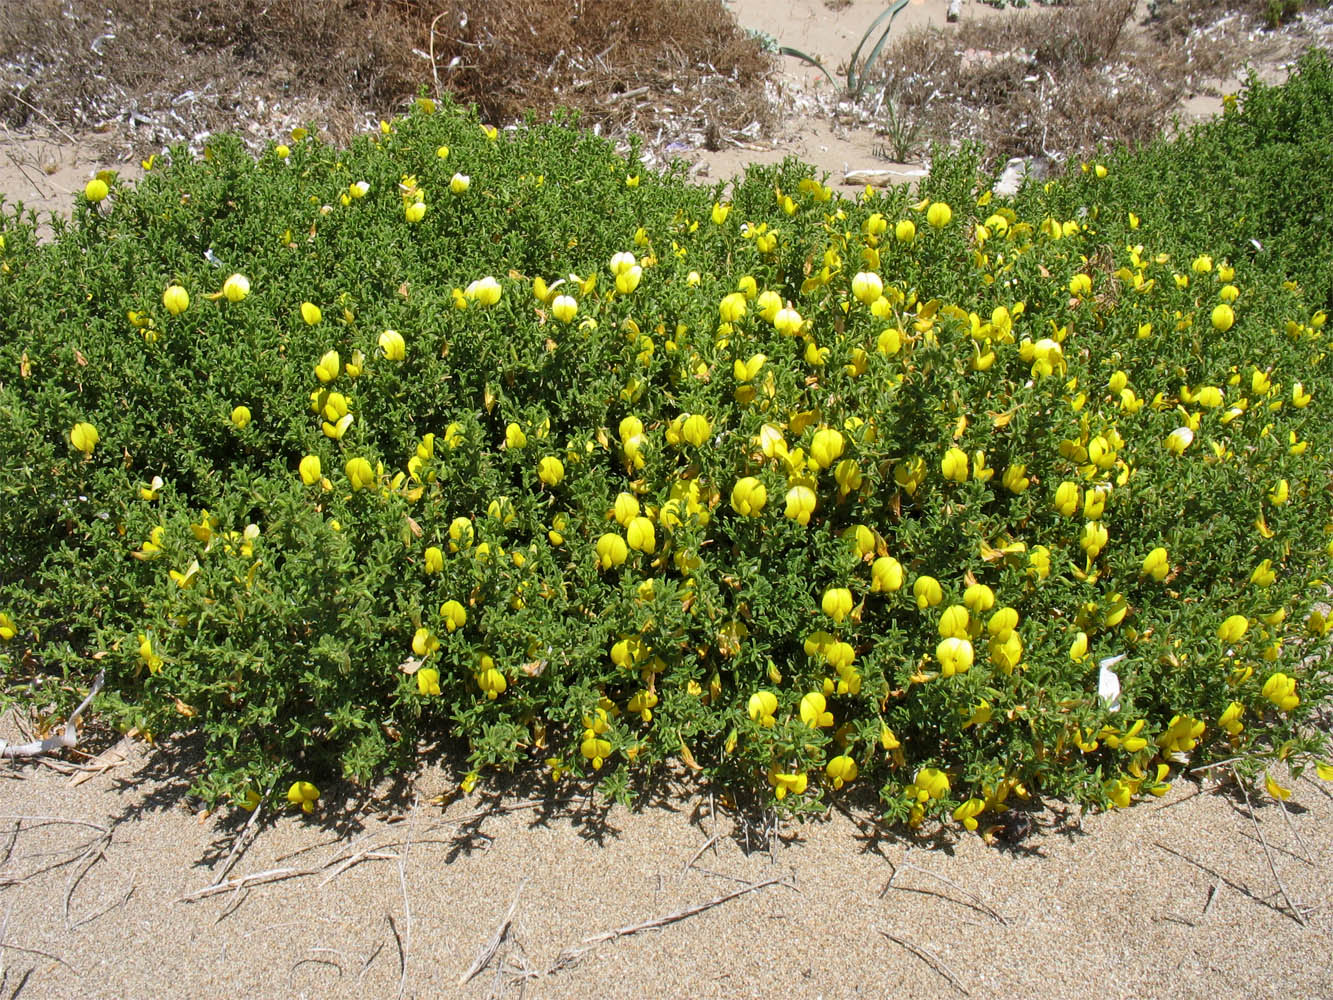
point(1059, 82)
point(674, 63)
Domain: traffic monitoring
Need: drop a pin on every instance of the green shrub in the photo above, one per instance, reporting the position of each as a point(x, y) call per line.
point(802, 490)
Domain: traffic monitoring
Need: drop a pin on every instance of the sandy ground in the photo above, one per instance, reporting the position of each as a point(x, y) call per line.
point(1174, 898)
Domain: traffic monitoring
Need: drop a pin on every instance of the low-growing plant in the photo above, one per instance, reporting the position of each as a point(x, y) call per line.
point(500, 438)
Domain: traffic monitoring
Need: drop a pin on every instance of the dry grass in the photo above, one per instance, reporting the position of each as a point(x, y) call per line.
point(1055, 83)
point(170, 68)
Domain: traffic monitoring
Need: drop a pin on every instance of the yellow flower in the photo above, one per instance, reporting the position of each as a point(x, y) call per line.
point(236, 287)
point(954, 465)
point(696, 429)
point(1178, 440)
point(841, 769)
point(1230, 719)
point(454, 615)
point(414, 211)
point(328, 366)
point(939, 215)
point(720, 212)
point(240, 417)
point(837, 603)
point(761, 706)
point(185, 580)
point(788, 322)
point(428, 682)
point(1276, 790)
point(826, 447)
point(96, 190)
point(1263, 575)
point(1155, 564)
point(1223, 317)
point(642, 704)
point(550, 470)
point(867, 287)
point(1078, 649)
point(732, 307)
point(303, 794)
point(640, 535)
point(434, 561)
point(904, 231)
point(564, 308)
point(930, 783)
point(514, 437)
point(978, 715)
point(1080, 286)
point(1280, 492)
point(886, 574)
point(359, 473)
point(84, 437)
point(626, 508)
point(748, 497)
point(460, 534)
point(954, 622)
point(814, 713)
point(7, 627)
point(310, 470)
point(491, 681)
point(927, 591)
point(392, 344)
point(612, 550)
point(800, 504)
point(955, 656)
point(1233, 629)
point(424, 642)
point(968, 812)
point(146, 655)
point(1281, 691)
point(784, 783)
point(484, 291)
point(1015, 478)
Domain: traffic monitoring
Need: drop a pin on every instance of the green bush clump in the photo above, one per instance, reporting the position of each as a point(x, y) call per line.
point(504, 439)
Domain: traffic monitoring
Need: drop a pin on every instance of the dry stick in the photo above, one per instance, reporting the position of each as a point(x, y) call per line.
point(434, 67)
point(50, 121)
point(68, 737)
point(1212, 896)
point(493, 945)
point(571, 955)
point(129, 891)
point(1286, 817)
point(245, 881)
point(243, 837)
point(710, 842)
point(407, 904)
point(365, 966)
point(930, 959)
point(98, 852)
point(1300, 918)
point(951, 884)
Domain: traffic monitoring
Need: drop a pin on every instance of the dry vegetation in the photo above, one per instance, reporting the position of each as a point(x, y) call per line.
point(1057, 82)
point(167, 69)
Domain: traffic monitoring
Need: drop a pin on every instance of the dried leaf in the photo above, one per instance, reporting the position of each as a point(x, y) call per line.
point(411, 665)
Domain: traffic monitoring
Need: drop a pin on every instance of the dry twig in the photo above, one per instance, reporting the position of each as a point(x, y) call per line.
point(977, 900)
point(487, 953)
point(930, 959)
point(243, 837)
point(67, 737)
point(1268, 855)
point(571, 955)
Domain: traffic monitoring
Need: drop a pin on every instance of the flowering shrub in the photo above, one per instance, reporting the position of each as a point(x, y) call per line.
point(503, 438)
